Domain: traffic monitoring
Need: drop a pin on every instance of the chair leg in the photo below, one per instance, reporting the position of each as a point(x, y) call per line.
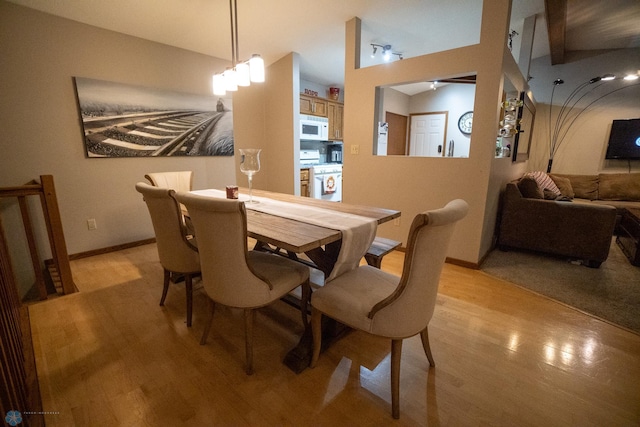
point(424, 336)
point(304, 304)
point(396, 356)
point(249, 320)
point(316, 330)
point(165, 288)
point(188, 285)
point(207, 326)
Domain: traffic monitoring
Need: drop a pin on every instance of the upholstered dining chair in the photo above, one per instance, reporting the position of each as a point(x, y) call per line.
point(231, 274)
point(178, 253)
point(177, 181)
point(385, 305)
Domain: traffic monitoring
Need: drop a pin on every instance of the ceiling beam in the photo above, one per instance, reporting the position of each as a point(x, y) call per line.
point(556, 15)
point(464, 79)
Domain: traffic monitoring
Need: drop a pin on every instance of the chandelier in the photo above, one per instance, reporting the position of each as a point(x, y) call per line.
point(241, 73)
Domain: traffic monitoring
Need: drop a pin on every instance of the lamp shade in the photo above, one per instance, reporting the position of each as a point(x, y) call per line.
point(243, 74)
point(256, 67)
point(218, 85)
point(230, 80)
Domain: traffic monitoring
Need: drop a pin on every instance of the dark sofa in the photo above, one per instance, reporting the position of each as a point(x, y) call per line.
point(621, 190)
point(580, 231)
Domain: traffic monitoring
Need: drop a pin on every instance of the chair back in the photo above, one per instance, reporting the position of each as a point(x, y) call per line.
point(175, 253)
point(409, 309)
point(221, 228)
point(178, 181)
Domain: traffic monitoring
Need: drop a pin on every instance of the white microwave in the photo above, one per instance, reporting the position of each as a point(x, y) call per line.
point(314, 128)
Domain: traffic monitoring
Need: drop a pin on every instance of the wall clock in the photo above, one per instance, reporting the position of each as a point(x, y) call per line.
point(465, 122)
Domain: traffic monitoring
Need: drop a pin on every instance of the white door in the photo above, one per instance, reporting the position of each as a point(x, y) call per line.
point(427, 134)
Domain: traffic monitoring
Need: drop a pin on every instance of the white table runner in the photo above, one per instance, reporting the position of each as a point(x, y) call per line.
point(357, 231)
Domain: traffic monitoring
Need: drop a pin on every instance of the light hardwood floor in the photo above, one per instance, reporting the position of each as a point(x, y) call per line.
point(110, 355)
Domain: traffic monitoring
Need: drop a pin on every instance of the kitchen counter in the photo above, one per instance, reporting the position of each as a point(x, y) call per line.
point(319, 164)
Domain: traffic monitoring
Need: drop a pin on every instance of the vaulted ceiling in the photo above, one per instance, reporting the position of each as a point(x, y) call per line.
point(315, 28)
point(574, 25)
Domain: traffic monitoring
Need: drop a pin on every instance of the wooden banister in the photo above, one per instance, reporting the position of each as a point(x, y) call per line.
point(47, 193)
point(19, 383)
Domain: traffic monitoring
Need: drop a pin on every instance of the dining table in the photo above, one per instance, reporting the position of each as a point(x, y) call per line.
point(333, 236)
point(278, 229)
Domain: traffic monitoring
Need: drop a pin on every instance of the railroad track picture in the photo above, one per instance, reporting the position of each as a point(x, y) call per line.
point(121, 120)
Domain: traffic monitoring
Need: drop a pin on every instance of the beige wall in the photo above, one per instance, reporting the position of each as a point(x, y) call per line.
point(41, 130)
point(283, 100)
point(413, 184)
point(42, 53)
point(395, 102)
point(265, 119)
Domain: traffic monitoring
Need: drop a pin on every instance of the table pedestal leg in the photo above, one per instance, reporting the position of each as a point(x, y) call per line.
point(325, 258)
point(299, 357)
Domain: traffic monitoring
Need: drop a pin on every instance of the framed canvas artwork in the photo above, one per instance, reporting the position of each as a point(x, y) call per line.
point(121, 120)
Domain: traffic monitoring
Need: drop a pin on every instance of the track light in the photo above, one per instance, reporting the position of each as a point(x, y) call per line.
point(386, 54)
point(387, 51)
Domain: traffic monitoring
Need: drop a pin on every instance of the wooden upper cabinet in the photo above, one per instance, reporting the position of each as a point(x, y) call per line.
point(313, 106)
point(336, 113)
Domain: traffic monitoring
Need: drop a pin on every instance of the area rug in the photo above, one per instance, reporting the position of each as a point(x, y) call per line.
point(611, 292)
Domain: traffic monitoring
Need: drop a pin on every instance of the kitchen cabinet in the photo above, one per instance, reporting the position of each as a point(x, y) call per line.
point(335, 111)
point(314, 106)
point(304, 182)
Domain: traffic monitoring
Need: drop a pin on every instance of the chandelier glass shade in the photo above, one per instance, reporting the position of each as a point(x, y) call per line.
point(241, 73)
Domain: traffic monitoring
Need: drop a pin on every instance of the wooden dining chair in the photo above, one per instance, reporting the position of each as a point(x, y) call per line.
point(385, 305)
point(231, 274)
point(178, 254)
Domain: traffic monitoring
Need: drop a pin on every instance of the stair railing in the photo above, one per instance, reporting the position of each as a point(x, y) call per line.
point(47, 193)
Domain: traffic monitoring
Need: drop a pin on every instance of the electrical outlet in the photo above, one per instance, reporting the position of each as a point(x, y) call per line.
point(396, 222)
point(355, 149)
point(91, 224)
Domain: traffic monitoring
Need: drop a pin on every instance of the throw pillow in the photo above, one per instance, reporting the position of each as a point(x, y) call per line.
point(584, 186)
point(544, 181)
point(564, 185)
point(529, 188)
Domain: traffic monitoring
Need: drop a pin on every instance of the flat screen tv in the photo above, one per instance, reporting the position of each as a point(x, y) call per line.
point(624, 140)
